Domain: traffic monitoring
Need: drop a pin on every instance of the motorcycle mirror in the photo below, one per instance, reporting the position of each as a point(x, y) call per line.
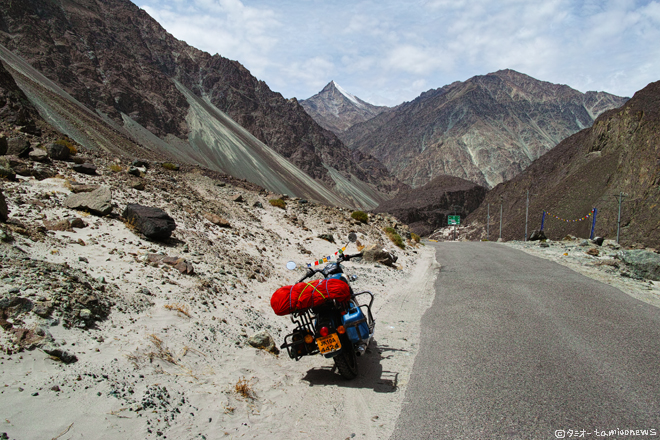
point(291, 265)
point(352, 237)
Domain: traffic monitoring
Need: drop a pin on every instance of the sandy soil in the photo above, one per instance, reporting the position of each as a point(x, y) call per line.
point(171, 358)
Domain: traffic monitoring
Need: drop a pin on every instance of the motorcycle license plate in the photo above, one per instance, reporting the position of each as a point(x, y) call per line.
point(328, 344)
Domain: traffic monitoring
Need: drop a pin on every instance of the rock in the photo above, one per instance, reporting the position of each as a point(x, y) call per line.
point(97, 202)
point(180, 264)
point(327, 237)
point(537, 234)
point(57, 225)
point(85, 314)
point(217, 220)
point(82, 188)
point(376, 254)
point(134, 172)
point(258, 205)
point(264, 341)
point(78, 223)
point(584, 243)
point(185, 267)
point(7, 173)
point(78, 160)
point(58, 151)
point(57, 352)
point(140, 163)
point(85, 168)
point(14, 306)
point(3, 145)
point(4, 209)
point(18, 147)
point(643, 263)
point(83, 259)
point(593, 252)
point(543, 244)
point(38, 155)
point(136, 184)
point(598, 241)
point(41, 173)
point(43, 309)
point(55, 388)
point(152, 222)
point(238, 199)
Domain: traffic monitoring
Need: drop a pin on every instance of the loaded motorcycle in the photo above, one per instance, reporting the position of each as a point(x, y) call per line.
point(329, 318)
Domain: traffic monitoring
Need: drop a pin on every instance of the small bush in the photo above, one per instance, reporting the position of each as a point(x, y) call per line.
point(279, 203)
point(171, 166)
point(244, 388)
point(360, 216)
point(181, 308)
point(72, 148)
point(116, 168)
point(415, 237)
point(396, 238)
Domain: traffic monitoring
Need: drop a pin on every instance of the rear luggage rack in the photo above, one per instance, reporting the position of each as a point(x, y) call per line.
point(295, 342)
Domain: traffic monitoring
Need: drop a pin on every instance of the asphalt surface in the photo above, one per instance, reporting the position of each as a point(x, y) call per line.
point(518, 347)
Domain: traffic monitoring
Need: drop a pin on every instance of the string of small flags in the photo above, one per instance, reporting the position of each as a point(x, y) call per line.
point(328, 258)
point(571, 221)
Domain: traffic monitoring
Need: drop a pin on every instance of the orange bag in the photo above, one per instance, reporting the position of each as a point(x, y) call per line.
point(302, 296)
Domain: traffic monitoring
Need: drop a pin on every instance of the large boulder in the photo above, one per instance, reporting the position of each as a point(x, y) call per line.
point(58, 151)
point(98, 202)
point(18, 147)
point(643, 263)
point(4, 210)
point(85, 168)
point(376, 254)
point(3, 145)
point(152, 222)
point(537, 235)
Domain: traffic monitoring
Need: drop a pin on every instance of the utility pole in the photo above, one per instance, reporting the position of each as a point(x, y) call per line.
point(500, 219)
point(526, 214)
point(488, 224)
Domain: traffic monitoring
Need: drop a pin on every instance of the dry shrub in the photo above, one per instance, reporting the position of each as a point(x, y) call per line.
point(395, 237)
point(131, 224)
point(278, 203)
point(415, 237)
point(116, 168)
point(181, 308)
point(244, 388)
point(360, 216)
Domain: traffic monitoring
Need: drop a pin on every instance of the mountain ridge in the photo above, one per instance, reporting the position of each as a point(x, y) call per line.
point(335, 109)
point(486, 129)
point(115, 59)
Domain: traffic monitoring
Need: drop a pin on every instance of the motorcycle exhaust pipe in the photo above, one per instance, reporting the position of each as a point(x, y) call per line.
point(360, 350)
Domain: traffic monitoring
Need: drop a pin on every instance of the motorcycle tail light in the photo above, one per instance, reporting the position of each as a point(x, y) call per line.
point(341, 329)
point(324, 331)
point(309, 339)
point(343, 312)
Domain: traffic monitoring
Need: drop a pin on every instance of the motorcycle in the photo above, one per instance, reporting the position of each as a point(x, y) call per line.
point(341, 330)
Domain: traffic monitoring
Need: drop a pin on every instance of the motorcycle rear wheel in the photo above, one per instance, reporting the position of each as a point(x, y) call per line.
point(346, 361)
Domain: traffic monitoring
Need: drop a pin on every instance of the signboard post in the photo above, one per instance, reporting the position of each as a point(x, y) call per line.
point(454, 220)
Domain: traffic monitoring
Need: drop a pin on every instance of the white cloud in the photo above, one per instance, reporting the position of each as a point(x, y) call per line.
point(389, 50)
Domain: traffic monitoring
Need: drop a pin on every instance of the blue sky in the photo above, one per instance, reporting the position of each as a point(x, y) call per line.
point(387, 52)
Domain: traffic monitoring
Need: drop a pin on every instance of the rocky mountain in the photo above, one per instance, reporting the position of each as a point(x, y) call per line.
point(486, 129)
point(425, 209)
point(337, 110)
point(620, 153)
point(113, 59)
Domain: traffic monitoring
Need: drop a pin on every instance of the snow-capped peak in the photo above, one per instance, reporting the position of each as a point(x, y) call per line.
point(350, 97)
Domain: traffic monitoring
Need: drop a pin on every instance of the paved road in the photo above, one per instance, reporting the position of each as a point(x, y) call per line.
point(517, 347)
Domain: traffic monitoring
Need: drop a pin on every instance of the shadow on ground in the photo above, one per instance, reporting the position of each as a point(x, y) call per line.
point(370, 372)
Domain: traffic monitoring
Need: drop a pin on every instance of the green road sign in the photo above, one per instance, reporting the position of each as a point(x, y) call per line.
point(454, 220)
